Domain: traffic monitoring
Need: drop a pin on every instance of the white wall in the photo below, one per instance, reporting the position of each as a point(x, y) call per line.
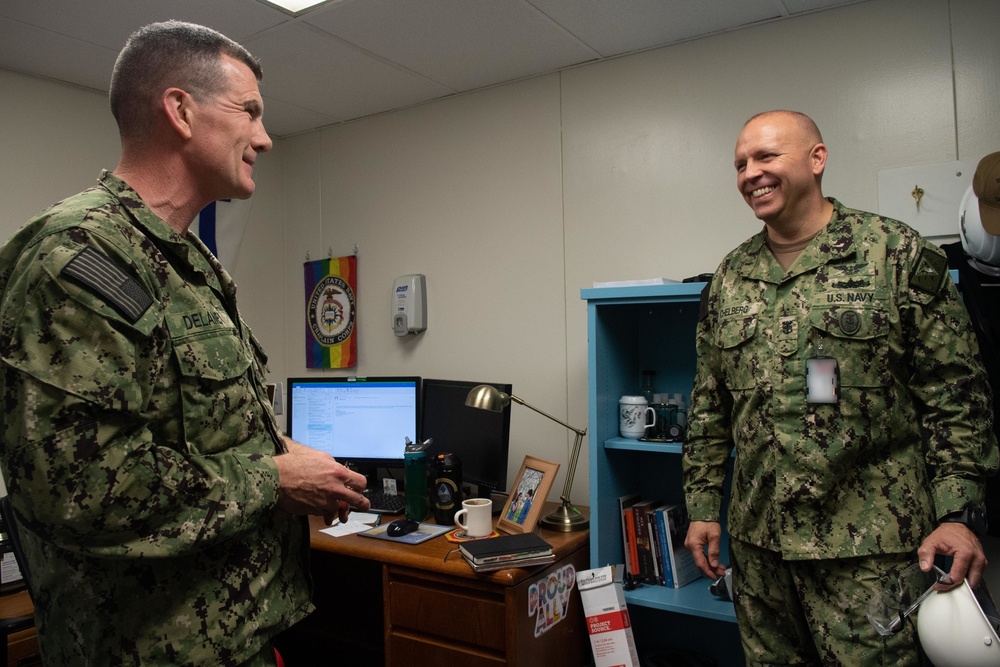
point(55, 140)
point(512, 199)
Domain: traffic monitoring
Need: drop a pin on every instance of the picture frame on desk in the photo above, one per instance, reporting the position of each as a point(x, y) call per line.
point(527, 496)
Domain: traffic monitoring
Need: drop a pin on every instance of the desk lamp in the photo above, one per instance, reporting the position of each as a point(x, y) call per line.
point(564, 518)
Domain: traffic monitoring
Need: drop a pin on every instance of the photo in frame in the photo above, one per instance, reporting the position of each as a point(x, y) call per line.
point(527, 495)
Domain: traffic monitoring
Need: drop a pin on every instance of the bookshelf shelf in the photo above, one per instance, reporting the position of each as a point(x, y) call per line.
point(693, 599)
point(642, 446)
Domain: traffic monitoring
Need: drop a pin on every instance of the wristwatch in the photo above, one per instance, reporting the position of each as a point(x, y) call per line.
point(972, 516)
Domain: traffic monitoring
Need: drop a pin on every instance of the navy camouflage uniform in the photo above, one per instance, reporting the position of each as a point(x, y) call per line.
point(909, 439)
point(138, 443)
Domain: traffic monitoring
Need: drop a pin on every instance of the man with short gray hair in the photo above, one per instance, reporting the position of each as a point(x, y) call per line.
point(161, 509)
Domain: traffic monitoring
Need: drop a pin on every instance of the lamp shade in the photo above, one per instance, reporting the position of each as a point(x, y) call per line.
point(485, 397)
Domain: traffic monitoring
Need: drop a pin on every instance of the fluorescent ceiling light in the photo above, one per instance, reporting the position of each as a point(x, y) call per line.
point(295, 7)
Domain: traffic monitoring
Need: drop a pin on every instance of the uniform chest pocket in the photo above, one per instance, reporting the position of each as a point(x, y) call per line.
point(217, 355)
point(216, 393)
point(741, 366)
point(857, 336)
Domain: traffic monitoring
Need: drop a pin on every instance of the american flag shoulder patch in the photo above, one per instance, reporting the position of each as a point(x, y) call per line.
point(95, 270)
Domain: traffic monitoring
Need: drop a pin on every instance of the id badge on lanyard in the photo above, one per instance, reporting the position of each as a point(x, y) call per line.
point(822, 380)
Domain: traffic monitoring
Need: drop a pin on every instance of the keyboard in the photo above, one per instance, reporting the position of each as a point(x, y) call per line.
point(385, 503)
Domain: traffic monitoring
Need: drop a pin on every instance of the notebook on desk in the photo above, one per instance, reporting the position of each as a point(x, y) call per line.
point(505, 548)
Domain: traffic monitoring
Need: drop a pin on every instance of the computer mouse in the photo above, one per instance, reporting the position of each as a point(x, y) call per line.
point(401, 527)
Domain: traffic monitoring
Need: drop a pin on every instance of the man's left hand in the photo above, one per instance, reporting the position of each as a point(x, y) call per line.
point(956, 540)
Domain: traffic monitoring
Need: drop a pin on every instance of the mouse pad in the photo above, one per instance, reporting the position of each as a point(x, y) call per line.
point(425, 532)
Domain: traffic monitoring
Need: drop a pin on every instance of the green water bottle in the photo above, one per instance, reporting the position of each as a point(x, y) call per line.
point(415, 491)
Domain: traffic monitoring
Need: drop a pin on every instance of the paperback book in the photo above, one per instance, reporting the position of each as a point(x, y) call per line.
point(663, 540)
point(682, 565)
point(631, 556)
point(647, 569)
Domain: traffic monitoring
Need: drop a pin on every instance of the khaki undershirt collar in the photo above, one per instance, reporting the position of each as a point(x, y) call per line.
point(787, 253)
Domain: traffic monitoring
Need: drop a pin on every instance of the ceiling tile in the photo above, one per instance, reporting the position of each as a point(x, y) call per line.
point(799, 6)
point(282, 119)
point(314, 71)
point(614, 28)
point(462, 45)
point(110, 23)
point(24, 48)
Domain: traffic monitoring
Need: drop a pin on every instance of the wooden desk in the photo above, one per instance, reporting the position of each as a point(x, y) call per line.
point(22, 647)
point(437, 611)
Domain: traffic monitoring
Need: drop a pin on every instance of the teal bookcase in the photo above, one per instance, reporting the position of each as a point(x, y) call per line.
point(631, 329)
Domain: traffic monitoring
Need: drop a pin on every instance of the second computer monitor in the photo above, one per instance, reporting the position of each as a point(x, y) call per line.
point(480, 438)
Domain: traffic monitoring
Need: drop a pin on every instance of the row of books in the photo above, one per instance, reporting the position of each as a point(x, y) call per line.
point(505, 551)
point(653, 536)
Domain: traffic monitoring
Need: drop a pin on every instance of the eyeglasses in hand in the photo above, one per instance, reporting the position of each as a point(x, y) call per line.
point(889, 609)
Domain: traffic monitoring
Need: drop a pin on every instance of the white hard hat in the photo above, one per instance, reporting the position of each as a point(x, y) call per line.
point(982, 247)
point(959, 628)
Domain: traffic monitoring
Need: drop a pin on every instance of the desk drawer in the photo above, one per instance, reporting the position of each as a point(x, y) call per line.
point(466, 615)
point(22, 649)
point(413, 651)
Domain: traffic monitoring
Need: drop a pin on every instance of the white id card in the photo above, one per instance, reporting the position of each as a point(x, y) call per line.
point(822, 380)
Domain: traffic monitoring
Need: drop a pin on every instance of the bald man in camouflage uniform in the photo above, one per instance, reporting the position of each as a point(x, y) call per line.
point(836, 357)
point(160, 506)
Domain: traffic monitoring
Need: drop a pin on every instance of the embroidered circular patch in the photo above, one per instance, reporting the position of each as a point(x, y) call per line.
point(850, 322)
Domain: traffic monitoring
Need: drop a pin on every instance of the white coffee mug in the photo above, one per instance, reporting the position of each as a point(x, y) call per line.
point(632, 411)
point(478, 514)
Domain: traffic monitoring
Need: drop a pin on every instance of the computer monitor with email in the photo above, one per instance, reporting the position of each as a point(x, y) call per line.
point(361, 421)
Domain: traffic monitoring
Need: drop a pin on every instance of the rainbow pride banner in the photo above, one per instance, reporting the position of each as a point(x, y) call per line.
point(331, 312)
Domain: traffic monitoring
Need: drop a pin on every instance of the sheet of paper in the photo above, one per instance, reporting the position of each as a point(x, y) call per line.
point(357, 522)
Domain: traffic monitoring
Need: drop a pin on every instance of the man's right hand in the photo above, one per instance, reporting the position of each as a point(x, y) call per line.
point(312, 482)
point(703, 540)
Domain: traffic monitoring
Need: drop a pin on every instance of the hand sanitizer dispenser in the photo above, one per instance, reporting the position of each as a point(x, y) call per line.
point(409, 304)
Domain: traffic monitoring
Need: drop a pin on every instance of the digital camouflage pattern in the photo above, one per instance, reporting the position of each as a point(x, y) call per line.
point(138, 443)
point(910, 439)
point(827, 600)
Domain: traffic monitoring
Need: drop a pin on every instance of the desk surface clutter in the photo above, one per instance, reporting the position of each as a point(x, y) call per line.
point(438, 554)
point(431, 608)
